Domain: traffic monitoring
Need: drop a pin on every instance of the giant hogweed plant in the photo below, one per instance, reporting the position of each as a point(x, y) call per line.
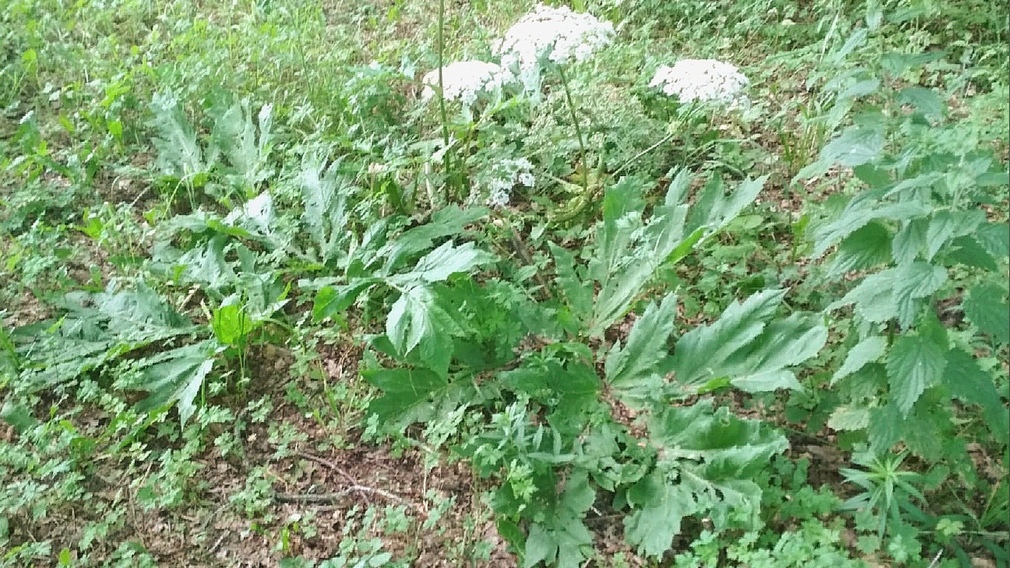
point(568, 419)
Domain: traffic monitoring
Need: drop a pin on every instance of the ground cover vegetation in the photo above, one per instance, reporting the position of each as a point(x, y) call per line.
point(604, 283)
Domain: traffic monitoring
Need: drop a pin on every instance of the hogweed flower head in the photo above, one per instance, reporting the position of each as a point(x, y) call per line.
point(703, 80)
point(504, 176)
point(464, 81)
point(559, 34)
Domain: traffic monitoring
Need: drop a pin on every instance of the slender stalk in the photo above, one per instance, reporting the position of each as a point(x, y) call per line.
point(578, 130)
point(441, 88)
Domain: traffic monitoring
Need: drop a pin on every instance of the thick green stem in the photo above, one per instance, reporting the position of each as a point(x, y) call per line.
point(578, 130)
point(441, 89)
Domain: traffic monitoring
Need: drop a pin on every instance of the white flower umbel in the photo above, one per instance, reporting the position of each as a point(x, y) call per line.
point(559, 34)
point(504, 176)
point(464, 81)
point(704, 80)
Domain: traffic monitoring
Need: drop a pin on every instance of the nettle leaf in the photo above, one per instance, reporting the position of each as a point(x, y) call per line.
point(857, 214)
point(924, 100)
point(632, 370)
point(873, 297)
point(865, 248)
point(855, 146)
point(866, 351)
point(701, 352)
point(912, 282)
point(848, 418)
point(910, 240)
point(968, 251)
point(176, 376)
point(914, 363)
point(986, 307)
point(967, 381)
point(563, 539)
point(995, 237)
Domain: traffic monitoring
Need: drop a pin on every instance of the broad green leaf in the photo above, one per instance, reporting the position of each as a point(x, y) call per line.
point(967, 381)
point(408, 395)
point(913, 364)
point(578, 296)
point(854, 146)
point(417, 320)
point(986, 307)
point(139, 315)
point(179, 153)
point(176, 378)
point(236, 136)
point(659, 507)
point(923, 100)
point(230, 322)
point(324, 198)
point(873, 297)
point(333, 300)
point(704, 349)
point(446, 260)
point(631, 370)
point(865, 248)
point(848, 418)
point(912, 282)
point(761, 366)
point(856, 215)
point(885, 428)
point(866, 351)
point(968, 251)
point(446, 222)
point(995, 237)
point(563, 539)
point(910, 240)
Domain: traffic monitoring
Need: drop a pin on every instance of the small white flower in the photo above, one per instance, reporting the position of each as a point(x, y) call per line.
point(464, 80)
point(504, 176)
point(559, 34)
point(702, 80)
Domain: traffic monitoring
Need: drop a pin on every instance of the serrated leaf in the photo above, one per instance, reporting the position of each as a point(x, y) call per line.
point(865, 248)
point(563, 539)
point(660, 507)
point(177, 378)
point(856, 215)
point(913, 282)
point(967, 381)
point(986, 307)
point(909, 241)
point(995, 237)
point(874, 297)
point(632, 369)
point(923, 100)
point(324, 198)
point(408, 395)
point(885, 428)
point(913, 364)
point(416, 319)
point(854, 146)
point(968, 251)
point(578, 296)
point(704, 348)
point(446, 260)
point(179, 153)
point(847, 418)
point(446, 222)
point(866, 351)
point(941, 228)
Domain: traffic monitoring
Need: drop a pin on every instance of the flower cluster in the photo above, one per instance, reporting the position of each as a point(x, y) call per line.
point(558, 34)
point(463, 81)
point(702, 80)
point(504, 176)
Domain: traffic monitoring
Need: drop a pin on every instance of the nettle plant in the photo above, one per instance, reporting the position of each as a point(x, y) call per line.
point(579, 396)
point(925, 239)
